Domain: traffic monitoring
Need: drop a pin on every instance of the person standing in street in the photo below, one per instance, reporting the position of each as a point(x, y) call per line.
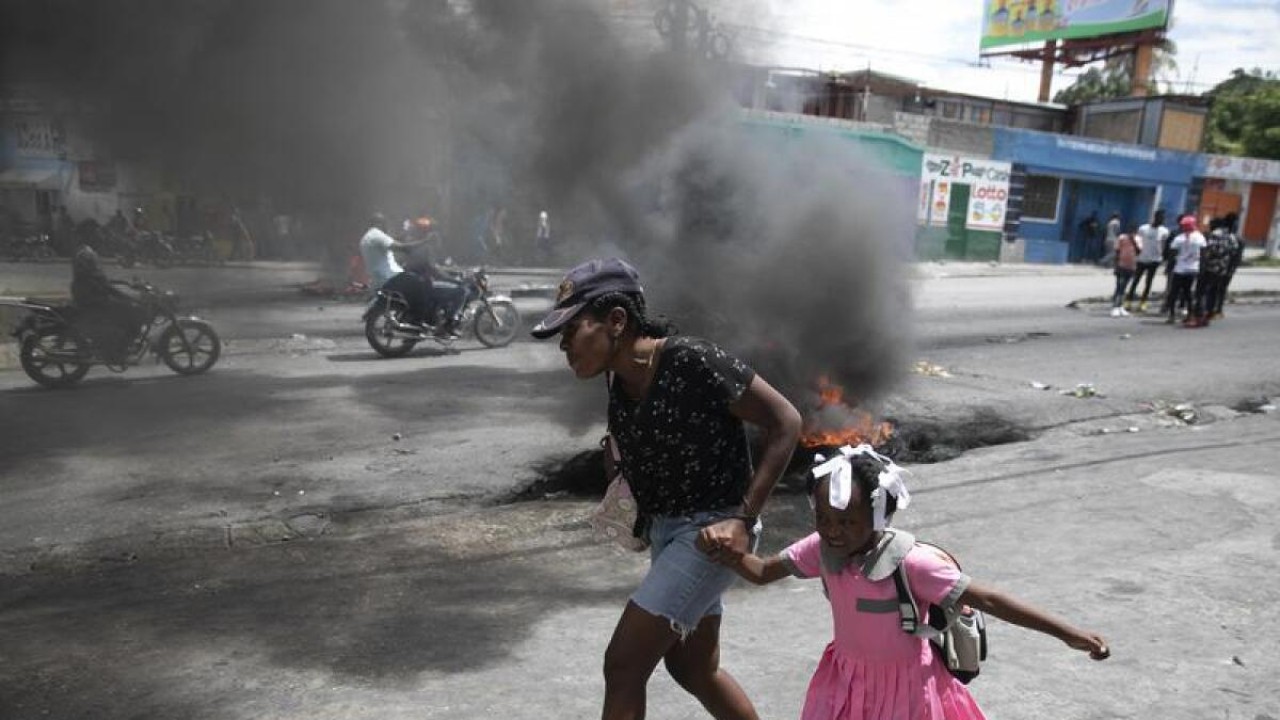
point(1127, 248)
point(1215, 261)
point(678, 407)
point(1236, 247)
point(542, 238)
point(1152, 236)
point(1186, 270)
point(1109, 243)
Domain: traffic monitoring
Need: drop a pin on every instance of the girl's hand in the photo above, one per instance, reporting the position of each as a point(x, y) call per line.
point(1090, 643)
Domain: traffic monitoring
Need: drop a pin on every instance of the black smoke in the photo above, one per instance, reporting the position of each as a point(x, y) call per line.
point(784, 246)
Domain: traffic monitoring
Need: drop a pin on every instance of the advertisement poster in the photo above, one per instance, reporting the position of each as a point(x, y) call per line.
point(988, 182)
point(987, 203)
point(1021, 22)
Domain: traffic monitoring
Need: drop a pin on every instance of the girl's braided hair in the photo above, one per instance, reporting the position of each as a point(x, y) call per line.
point(637, 319)
point(866, 473)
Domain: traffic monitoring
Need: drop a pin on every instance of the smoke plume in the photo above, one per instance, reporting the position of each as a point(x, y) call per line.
point(784, 246)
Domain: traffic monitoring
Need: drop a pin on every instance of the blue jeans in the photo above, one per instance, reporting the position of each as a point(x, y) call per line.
point(683, 585)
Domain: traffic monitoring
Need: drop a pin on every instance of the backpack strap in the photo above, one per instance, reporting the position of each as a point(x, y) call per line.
point(909, 615)
point(908, 610)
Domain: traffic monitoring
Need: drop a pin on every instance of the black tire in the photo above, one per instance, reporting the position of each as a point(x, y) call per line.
point(201, 351)
point(54, 374)
point(378, 330)
point(497, 324)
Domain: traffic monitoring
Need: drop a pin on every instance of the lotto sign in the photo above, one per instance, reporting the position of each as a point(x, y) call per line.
point(987, 204)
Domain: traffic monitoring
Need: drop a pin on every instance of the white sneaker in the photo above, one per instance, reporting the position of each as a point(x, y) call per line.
point(1123, 312)
point(1115, 311)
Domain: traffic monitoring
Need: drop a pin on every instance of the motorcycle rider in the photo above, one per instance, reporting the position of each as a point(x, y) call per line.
point(377, 249)
point(109, 315)
point(445, 286)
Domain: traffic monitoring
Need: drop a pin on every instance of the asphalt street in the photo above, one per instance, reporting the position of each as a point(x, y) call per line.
point(310, 531)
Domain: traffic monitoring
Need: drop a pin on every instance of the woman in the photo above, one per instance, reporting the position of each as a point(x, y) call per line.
point(677, 408)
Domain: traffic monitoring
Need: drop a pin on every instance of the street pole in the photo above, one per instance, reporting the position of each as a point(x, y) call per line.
point(1142, 70)
point(1046, 69)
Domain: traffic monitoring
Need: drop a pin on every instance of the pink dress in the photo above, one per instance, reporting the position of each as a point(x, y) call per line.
point(872, 670)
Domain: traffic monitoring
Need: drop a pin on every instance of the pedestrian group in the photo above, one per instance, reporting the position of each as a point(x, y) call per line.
point(1198, 269)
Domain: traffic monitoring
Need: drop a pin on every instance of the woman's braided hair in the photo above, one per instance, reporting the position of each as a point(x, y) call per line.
point(637, 319)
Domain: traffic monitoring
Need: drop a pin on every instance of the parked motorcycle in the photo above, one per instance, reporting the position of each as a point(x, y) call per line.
point(27, 247)
point(150, 247)
point(57, 350)
point(492, 319)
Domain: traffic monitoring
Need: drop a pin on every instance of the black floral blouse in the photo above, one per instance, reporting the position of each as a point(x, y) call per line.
point(682, 450)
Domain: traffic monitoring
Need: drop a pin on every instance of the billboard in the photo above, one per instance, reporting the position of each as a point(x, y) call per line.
point(1021, 22)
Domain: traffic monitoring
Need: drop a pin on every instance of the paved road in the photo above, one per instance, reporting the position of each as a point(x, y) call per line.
point(142, 572)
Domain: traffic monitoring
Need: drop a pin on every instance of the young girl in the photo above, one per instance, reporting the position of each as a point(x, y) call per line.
point(873, 669)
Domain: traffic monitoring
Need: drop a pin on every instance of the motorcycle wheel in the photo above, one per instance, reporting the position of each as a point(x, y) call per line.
point(379, 330)
point(43, 358)
point(497, 324)
point(202, 349)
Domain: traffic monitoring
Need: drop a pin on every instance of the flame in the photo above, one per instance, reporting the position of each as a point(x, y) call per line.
point(856, 426)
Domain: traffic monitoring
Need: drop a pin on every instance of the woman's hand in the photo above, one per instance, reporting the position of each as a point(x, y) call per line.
point(725, 541)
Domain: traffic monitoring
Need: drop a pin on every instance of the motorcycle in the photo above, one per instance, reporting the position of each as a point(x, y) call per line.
point(57, 350)
point(28, 247)
point(491, 319)
point(150, 247)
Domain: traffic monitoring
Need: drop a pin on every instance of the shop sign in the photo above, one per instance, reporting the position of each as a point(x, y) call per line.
point(38, 137)
point(1242, 168)
point(988, 182)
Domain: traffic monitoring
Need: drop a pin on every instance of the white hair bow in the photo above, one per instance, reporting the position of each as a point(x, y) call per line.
point(840, 487)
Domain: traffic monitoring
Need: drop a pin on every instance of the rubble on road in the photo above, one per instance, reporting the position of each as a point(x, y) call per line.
point(1083, 390)
point(924, 367)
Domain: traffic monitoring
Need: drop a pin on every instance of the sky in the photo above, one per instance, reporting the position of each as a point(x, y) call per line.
point(936, 41)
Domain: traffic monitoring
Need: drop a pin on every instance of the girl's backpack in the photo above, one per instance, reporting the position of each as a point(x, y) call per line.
point(959, 634)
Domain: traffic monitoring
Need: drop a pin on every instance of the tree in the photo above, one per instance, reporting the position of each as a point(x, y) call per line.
point(1244, 118)
point(1261, 136)
point(1115, 78)
point(1094, 84)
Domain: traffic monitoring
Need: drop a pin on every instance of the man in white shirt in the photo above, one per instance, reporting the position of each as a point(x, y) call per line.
point(1153, 236)
point(1186, 268)
point(377, 250)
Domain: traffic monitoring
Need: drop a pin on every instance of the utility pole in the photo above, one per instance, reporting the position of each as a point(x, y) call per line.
point(1140, 82)
point(1046, 69)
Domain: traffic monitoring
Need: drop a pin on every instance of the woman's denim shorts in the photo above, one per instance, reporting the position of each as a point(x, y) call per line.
point(683, 584)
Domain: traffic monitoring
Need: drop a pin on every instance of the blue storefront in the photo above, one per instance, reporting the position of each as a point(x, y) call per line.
point(1063, 180)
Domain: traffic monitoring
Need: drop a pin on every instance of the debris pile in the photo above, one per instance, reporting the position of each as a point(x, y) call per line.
point(925, 367)
point(1082, 390)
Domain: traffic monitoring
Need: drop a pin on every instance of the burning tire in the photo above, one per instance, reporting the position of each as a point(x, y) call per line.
point(497, 323)
point(201, 349)
point(54, 359)
point(380, 329)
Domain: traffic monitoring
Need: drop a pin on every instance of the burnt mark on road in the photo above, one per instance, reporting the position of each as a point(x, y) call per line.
point(914, 441)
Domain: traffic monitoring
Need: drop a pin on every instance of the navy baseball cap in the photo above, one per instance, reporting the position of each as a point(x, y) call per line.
point(583, 284)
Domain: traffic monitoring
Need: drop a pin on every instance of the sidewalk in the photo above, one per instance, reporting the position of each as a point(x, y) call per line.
point(1163, 541)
